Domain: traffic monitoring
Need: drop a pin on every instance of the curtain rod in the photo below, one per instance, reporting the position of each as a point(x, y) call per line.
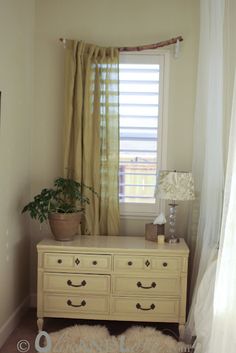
point(145, 47)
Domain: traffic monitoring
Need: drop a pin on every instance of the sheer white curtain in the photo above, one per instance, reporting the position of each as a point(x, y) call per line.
point(208, 151)
point(223, 334)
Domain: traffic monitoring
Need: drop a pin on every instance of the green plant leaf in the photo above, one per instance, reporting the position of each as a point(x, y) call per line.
point(67, 196)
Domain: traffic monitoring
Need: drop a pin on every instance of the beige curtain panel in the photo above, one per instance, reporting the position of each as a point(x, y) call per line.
point(91, 148)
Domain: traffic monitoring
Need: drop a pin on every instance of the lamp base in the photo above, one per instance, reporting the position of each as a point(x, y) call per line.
point(172, 239)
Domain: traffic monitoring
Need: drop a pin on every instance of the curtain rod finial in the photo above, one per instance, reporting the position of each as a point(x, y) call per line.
point(177, 49)
point(63, 40)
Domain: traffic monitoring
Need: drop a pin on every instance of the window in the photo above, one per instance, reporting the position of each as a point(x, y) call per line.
point(142, 147)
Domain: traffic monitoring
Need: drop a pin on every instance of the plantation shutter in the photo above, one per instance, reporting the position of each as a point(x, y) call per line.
point(139, 115)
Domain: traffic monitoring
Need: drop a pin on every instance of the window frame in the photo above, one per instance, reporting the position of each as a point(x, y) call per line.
point(145, 210)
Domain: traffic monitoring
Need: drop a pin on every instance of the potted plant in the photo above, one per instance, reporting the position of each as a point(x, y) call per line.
point(62, 206)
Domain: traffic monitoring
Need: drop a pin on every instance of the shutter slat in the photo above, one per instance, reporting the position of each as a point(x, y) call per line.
point(139, 71)
point(137, 174)
point(131, 94)
point(135, 196)
point(139, 185)
point(138, 82)
point(138, 116)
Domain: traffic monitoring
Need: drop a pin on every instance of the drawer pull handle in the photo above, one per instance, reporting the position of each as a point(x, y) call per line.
point(83, 283)
point(83, 303)
point(77, 261)
point(59, 261)
point(147, 263)
point(95, 262)
point(152, 307)
point(165, 264)
point(139, 284)
point(130, 263)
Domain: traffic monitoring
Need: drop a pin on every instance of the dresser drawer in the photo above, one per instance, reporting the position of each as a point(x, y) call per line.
point(130, 263)
point(76, 283)
point(77, 262)
point(156, 307)
point(146, 286)
point(94, 263)
point(166, 264)
point(59, 261)
point(76, 304)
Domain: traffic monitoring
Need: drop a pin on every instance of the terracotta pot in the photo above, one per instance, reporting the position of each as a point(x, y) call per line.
point(64, 226)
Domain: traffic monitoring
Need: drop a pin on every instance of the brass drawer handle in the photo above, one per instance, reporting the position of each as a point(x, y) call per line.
point(59, 261)
point(83, 303)
point(165, 264)
point(139, 285)
point(130, 263)
point(83, 283)
point(152, 307)
point(95, 262)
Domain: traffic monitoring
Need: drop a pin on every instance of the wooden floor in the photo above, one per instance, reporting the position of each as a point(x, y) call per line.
point(27, 330)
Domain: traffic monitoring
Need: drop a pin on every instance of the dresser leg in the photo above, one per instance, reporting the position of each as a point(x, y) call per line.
point(181, 331)
point(40, 324)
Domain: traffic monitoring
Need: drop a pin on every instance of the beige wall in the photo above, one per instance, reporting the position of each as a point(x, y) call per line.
point(16, 65)
point(110, 22)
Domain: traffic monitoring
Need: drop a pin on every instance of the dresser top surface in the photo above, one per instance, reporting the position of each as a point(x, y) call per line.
point(110, 243)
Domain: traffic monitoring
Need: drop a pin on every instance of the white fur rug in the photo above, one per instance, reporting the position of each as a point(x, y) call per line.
point(96, 339)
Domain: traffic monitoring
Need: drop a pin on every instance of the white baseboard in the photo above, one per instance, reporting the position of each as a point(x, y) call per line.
point(13, 321)
point(33, 300)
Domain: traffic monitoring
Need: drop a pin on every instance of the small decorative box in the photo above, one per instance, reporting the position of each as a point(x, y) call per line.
point(152, 231)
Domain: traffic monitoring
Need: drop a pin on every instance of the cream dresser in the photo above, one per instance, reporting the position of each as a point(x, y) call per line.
point(112, 278)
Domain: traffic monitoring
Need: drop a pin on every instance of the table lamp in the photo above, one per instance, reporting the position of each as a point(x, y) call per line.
point(174, 186)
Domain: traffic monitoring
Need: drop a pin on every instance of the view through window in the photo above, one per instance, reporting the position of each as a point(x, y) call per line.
point(140, 80)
